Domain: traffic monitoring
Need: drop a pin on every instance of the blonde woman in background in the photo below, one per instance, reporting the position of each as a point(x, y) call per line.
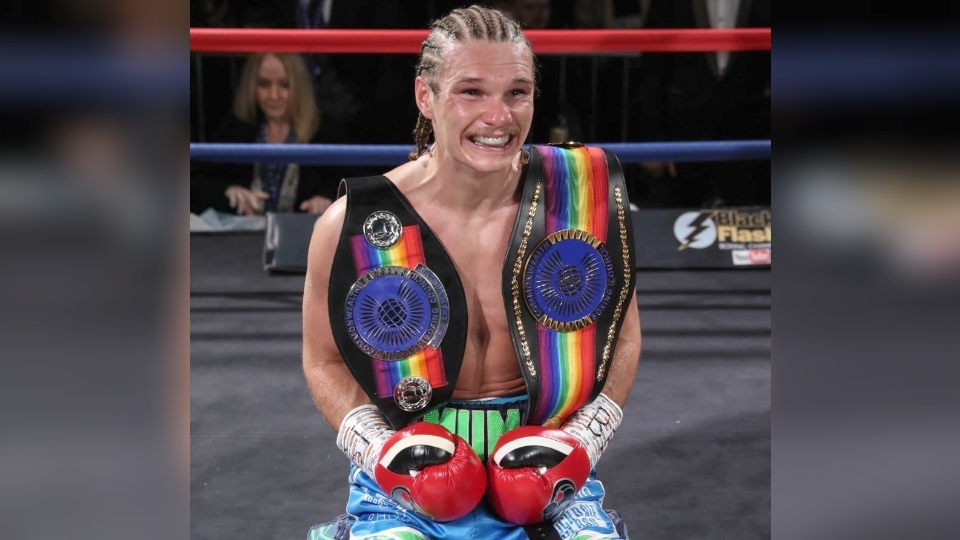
point(274, 104)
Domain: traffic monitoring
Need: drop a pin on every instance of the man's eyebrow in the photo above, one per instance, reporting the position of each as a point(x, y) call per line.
point(475, 80)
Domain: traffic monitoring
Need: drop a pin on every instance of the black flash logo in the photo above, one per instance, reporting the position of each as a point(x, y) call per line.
point(698, 227)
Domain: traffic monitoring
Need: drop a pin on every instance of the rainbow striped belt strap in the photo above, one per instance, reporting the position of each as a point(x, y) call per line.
point(397, 308)
point(568, 277)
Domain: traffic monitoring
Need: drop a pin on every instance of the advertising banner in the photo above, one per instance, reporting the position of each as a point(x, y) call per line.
point(703, 238)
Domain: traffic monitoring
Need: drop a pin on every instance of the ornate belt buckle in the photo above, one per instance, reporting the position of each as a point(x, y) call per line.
point(382, 229)
point(412, 393)
point(568, 280)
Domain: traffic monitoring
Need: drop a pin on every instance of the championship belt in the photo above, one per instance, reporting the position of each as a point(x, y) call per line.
point(397, 308)
point(568, 276)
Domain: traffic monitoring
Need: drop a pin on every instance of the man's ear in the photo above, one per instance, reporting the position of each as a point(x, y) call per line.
point(424, 97)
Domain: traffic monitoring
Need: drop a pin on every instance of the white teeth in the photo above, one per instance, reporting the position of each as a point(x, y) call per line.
point(491, 141)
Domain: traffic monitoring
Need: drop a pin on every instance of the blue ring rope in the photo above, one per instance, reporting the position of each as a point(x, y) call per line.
point(395, 154)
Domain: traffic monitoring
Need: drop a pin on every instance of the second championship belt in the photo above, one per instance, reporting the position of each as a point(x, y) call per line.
point(568, 276)
point(397, 307)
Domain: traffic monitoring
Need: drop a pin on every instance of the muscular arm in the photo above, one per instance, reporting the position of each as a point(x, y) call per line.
point(594, 424)
point(333, 387)
point(444, 463)
point(626, 357)
point(523, 471)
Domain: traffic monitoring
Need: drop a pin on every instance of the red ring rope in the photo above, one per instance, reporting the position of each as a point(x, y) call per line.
point(544, 41)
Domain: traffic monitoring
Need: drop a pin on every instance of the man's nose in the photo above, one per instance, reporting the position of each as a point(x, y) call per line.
point(498, 114)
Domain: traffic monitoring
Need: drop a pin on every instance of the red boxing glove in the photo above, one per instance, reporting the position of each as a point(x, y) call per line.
point(534, 473)
point(431, 471)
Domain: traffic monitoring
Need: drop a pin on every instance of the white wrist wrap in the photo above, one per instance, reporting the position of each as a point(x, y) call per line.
point(361, 436)
point(594, 425)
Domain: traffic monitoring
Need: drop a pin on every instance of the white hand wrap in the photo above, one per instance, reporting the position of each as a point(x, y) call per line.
point(594, 425)
point(361, 436)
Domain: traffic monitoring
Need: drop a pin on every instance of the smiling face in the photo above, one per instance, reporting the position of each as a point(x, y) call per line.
point(481, 103)
point(273, 89)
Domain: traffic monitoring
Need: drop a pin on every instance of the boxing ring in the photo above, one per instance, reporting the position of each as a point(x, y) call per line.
point(692, 458)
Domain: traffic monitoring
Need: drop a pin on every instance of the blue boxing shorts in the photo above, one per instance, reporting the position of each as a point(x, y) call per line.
point(373, 515)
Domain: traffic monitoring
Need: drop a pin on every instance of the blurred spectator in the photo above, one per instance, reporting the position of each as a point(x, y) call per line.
point(704, 97)
point(630, 13)
point(593, 81)
point(210, 75)
point(214, 75)
point(529, 13)
point(361, 91)
point(381, 83)
point(593, 13)
point(214, 13)
point(555, 119)
point(274, 104)
point(329, 87)
point(240, 14)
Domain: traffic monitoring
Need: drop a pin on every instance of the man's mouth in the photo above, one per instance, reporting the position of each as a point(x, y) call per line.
point(495, 142)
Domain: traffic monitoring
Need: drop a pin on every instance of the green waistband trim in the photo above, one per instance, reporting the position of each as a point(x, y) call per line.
point(480, 428)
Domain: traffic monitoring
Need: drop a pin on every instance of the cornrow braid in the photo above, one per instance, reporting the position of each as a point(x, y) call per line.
point(497, 31)
point(460, 25)
point(423, 135)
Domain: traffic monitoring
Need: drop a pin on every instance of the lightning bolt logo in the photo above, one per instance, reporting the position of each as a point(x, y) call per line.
point(696, 227)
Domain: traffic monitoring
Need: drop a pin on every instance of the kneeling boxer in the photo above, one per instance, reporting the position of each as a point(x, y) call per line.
point(469, 322)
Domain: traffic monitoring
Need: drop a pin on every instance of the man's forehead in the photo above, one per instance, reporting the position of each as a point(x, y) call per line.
point(478, 60)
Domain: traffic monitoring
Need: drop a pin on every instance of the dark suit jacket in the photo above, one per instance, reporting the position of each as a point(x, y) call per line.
point(208, 181)
point(381, 83)
point(683, 97)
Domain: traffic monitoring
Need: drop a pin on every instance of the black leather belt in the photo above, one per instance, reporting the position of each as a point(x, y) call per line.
point(568, 276)
point(397, 307)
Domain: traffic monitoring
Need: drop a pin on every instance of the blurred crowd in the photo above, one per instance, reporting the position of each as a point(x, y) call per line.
point(368, 99)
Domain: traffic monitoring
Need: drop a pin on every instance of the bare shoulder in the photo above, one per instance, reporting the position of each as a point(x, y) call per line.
point(326, 234)
point(334, 214)
point(326, 231)
point(410, 173)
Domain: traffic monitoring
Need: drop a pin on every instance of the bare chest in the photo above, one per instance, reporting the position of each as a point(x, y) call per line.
point(477, 248)
point(478, 256)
